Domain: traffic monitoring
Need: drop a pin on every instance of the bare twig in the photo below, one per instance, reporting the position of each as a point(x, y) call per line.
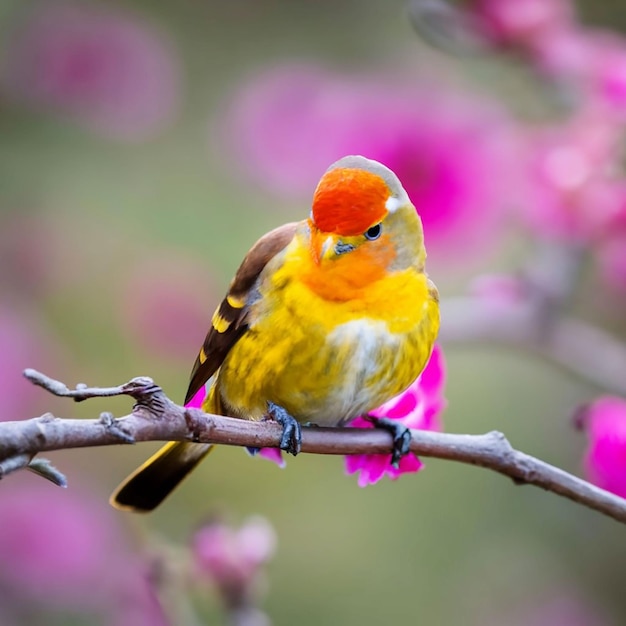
point(20, 441)
point(584, 350)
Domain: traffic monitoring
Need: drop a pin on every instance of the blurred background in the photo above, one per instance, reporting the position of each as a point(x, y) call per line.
point(144, 146)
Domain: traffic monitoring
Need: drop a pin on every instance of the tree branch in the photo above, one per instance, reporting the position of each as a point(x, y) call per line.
point(588, 352)
point(156, 418)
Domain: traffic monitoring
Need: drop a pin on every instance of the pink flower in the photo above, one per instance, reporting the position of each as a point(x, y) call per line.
point(23, 343)
point(163, 306)
point(604, 421)
point(137, 603)
point(591, 63)
point(57, 547)
point(500, 291)
point(451, 152)
point(111, 72)
point(233, 559)
point(520, 22)
point(573, 184)
point(418, 407)
point(64, 550)
point(606, 69)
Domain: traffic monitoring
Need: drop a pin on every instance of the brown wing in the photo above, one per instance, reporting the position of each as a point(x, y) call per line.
point(229, 319)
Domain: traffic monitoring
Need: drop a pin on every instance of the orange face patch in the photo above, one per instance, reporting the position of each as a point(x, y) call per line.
point(349, 201)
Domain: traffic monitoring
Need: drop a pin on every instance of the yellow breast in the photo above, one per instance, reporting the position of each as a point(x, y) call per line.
point(327, 360)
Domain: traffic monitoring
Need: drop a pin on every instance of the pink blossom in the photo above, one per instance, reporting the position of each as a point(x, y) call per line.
point(591, 62)
point(23, 343)
point(57, 547)
point(274, 455)
point(500, 291)
point(563, 56)
point(137, 602)
point(450, 151)
point(233, 559)
point(573, 184)
point(198, 399)
point(606, 71)
point(64, 550)
point(163, 308)
point(520, 22)
point(418, 407)
point(604, 421)
point(111, 72)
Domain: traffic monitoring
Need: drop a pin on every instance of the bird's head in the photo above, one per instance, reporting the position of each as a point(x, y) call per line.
point(361, 215)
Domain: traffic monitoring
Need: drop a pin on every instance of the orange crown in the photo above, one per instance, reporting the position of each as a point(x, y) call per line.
point(349, 201)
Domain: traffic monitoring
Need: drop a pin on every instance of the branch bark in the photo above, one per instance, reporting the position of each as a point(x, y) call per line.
point(156, 418)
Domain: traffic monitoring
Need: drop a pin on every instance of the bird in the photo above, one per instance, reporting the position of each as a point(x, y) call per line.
point(326, 319)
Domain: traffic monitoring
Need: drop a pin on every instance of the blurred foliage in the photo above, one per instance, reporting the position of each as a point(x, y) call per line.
point(88, 213)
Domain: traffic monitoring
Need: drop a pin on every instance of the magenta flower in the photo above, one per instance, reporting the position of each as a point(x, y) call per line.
point(162, 307)
point(418, 407)
point(23, 343)
point(574, 186)
point(591, 61)
point(605, 74)
point(107, 70)
point(451, 152)
point(604, 421)
point(521, 22)
point(233, 559)
point(57, 547)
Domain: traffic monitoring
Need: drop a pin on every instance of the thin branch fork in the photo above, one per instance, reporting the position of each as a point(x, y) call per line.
point(156, 418)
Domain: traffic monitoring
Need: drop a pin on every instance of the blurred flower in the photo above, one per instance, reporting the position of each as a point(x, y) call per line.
point(111, 72)
point(520, 22)
point(137, 602)
point(418, 407)
point(56, 546)
point(63, 549)
point(591, 62)
point(573, 185)
point(450, 152)
point(233, 559)
point(23, 344)
point(604, 421)
point(165, 305)
point(501, 291)
point(606, 69)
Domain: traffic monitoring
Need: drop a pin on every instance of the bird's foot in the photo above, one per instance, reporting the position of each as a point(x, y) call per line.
point(291, 441)
point(401, 437)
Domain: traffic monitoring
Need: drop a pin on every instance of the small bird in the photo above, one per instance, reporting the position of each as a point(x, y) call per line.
point(325, 320)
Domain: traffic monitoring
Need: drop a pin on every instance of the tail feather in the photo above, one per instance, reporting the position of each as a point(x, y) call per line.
point(153, 481)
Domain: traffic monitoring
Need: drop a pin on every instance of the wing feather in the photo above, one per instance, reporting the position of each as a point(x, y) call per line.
point(229, 321)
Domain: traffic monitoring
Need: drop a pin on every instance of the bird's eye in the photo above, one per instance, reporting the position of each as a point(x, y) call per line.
point(373, 232)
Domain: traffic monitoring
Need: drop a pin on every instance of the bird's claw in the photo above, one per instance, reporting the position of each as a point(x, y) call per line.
point(291, 440)
point(401, 437)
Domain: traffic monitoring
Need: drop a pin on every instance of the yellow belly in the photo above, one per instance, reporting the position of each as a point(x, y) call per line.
point(327, 362)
